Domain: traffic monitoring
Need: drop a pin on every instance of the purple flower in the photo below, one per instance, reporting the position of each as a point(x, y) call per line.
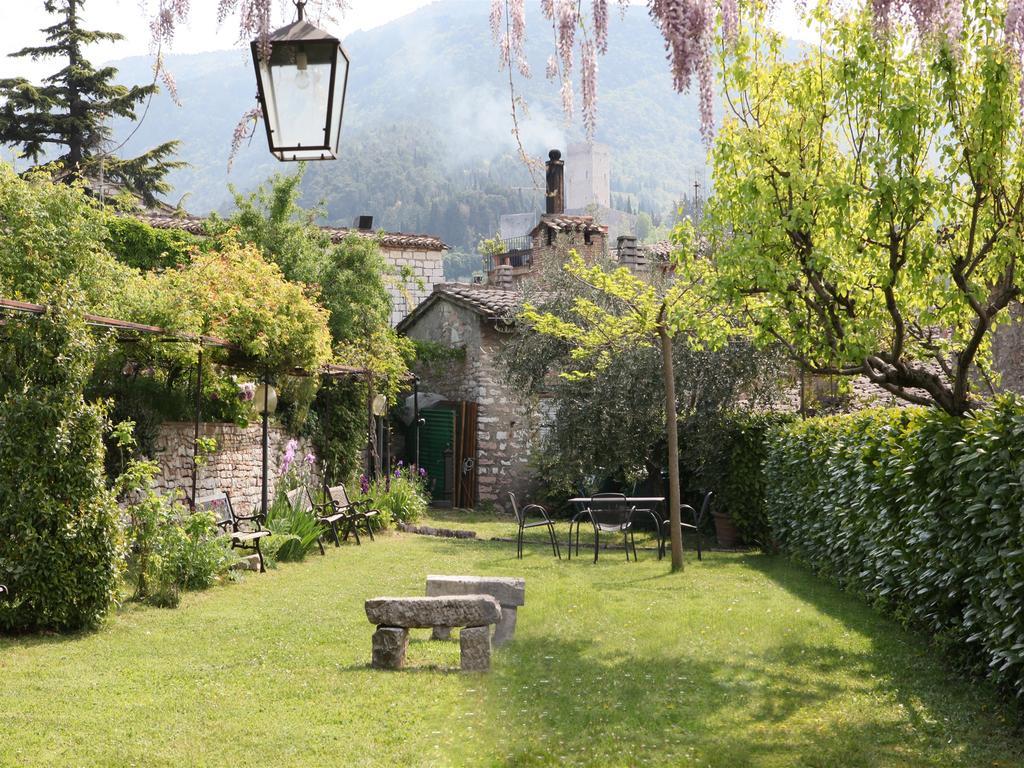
point(289, 455)
point(423, 471)
point(364, 484)
point(400, 463)
point(311, 458)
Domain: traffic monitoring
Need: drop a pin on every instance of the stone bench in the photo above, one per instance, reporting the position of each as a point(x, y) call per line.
point(395, 616)
point(510, 592)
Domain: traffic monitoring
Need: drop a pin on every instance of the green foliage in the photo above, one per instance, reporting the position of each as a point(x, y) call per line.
point(54, 236)
point(236, 295)
point(59, 541)
point(189, 553)
point(401, 498)
point(295, 533)
point(610, 424)
point(867, 209)
point(169, 550)
point(337, 427)
point(917, 511)
point(724, 453)
point(73, 107)
point(137, 244)
point(432, 352)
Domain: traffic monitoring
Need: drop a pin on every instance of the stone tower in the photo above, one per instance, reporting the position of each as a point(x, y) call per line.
point(588, 171)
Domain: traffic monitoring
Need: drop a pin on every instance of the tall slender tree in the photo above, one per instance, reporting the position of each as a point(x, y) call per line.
point(69, 112)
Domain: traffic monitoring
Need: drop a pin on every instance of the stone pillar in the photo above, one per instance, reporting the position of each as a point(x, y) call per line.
point(506, 627)
point(389, 646)
point(475, 649)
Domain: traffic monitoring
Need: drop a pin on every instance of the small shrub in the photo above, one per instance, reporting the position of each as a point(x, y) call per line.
point(295, 533)
point(403, 497)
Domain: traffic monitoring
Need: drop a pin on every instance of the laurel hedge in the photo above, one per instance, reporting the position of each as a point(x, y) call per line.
point(919, 512)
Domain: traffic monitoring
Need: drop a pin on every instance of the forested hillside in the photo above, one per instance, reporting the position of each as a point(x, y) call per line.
point(427, 142)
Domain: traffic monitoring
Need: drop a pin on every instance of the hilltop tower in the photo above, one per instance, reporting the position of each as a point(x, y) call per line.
point(588, 177)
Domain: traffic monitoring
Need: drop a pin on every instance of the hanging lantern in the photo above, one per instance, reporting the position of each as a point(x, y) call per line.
point(302, 74)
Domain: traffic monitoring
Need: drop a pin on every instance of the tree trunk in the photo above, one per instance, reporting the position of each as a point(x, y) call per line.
point(672, 435)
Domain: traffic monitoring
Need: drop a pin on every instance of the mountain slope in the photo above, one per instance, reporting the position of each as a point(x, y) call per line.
point(427, 126)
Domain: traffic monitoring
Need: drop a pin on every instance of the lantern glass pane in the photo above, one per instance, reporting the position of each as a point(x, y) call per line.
point(297, 99)
point(338, 105)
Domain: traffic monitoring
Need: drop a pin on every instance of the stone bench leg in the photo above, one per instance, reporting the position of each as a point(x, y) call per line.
point(506, 626)
point(442, 633)
point(475, 649)
point(389, 646)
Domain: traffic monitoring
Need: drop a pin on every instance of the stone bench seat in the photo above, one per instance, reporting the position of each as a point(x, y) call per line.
point(395, 616)
point(509, 591)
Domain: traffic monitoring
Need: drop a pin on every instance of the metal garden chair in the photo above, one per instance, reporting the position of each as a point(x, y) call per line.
point(352, 513)
point(607, 513)
point(245, 531)
point(523, 523)
point(698, 521)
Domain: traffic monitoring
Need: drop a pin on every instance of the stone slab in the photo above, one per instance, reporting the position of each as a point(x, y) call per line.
point(475, 649)
point(507, 590)
point(389, 646)
point(454, 611)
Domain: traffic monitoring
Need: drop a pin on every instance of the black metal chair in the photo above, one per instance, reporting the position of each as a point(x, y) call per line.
point(524, 524)
point(606, 513)
point(245, 531)
point(698, 522)
point(340, 508)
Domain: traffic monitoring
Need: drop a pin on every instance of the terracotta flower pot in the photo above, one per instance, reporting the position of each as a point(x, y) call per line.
point(725, 531)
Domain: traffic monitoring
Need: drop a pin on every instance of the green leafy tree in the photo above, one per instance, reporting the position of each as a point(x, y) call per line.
point(68, 113)
point(642, 314)
point(869, 198)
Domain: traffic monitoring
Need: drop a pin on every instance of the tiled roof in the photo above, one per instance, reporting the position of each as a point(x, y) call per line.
point(491, 303)
point(394, 240)
point(561, 222)
point(660, 251)
point(390, 239)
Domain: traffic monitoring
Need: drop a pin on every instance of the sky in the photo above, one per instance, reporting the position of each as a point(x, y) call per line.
point(22, 20)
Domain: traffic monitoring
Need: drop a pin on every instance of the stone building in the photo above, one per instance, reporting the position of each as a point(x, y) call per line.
point(472, 401)
point(488, 428)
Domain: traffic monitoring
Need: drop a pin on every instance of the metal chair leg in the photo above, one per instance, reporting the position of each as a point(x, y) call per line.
point(554, 540)
point(596, 539)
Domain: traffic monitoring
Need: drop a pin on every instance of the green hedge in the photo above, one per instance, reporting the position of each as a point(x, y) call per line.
point(920, 513)
point(725, 455)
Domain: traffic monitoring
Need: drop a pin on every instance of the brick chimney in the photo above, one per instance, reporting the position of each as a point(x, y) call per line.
point(555, 197)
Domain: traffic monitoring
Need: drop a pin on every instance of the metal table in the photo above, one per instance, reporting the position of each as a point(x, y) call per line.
point(644, 505)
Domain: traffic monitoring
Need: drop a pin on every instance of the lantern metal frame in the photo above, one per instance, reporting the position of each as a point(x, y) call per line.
point(294, 35)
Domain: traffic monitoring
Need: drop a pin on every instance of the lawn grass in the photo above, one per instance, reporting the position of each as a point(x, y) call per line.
point(742, 660)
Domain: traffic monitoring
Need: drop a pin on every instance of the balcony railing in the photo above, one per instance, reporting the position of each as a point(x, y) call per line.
point(518, 252)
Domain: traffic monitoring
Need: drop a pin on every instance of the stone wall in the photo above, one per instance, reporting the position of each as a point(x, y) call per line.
point(236, 465)
point(507, 426)
point(427, 270)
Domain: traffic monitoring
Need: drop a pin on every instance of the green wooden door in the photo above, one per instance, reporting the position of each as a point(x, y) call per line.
point(437, 434)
